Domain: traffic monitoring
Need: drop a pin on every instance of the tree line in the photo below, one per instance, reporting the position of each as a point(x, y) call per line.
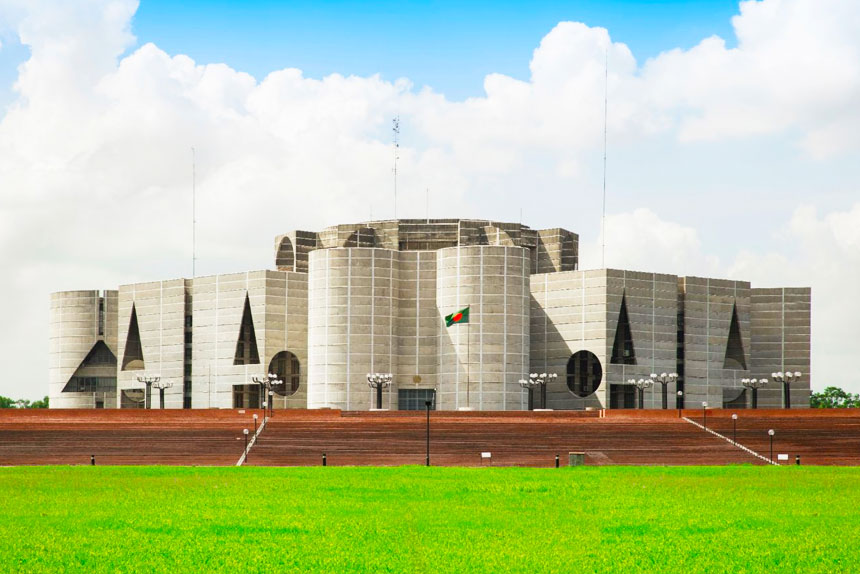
point(7, 403)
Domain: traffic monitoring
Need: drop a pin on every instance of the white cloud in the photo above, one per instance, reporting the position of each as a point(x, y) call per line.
point(95, 152)
point(824, 253)
point(641, 241)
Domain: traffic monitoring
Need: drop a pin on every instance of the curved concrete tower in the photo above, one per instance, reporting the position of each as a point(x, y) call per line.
point(352, 308)
point(481, 363)
point(83, 349)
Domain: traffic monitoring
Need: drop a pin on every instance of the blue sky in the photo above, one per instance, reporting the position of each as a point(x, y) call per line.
point(448, 45)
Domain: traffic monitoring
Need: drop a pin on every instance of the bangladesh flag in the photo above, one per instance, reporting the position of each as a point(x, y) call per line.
point(461, 316)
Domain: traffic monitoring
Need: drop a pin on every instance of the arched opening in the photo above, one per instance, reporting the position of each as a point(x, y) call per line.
point(584, 373)
point(284, 257)
point(286, 365)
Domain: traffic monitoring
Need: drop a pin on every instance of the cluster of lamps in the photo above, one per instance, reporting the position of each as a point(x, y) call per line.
point(268, 381)
point(755, 385)
point(150, 380)
point(379, 381)
point(664, 379)
point(786, 379)
point(537, 380)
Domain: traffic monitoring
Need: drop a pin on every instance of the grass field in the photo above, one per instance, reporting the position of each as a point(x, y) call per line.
point(415, 519)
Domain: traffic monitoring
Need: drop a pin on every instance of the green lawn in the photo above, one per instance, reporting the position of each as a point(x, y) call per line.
point(415, 519)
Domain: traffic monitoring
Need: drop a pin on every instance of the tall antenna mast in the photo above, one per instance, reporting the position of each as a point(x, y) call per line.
point(396, 130)
point(193, 213)
point(605, 106)
point(427, 202)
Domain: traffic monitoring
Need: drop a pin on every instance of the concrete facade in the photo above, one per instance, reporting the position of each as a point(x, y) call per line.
point(371, 297)
point(79, 320)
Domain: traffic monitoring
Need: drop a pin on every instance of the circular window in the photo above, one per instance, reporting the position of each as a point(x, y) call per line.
point(584, 373)
point(286, 365)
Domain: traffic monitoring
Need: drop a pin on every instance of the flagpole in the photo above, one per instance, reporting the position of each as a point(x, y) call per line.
point(468, 355)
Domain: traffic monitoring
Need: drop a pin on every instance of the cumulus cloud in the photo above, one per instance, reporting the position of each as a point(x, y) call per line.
point(641, 241)
point(95, 152)
point(824, 253)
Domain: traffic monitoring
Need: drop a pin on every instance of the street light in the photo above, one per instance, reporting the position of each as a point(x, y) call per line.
point(641, 384)
point(427, 459)
point(379, 381)
point(680, 402)
point(161, 385)
point(148, 381)
point(541, 380)
point(530, 385)
point(770, 433)
point(705, 415)
point(255, 424)
point(271, 403)
point(245, 432)
point(755, 385)
point(268, 382)
point(735, 428)
point(665, 380)
point(786, 379)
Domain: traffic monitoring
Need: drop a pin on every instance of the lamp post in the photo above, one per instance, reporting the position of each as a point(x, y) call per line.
point(786, 379)
point(427, 459)
point(755, 385)
point(680, 402)
point(641, 384)
point(379, 381)
point(770, 433)
point(735, 428)
point(148, 381)
point(665, 380)
point(161, 385)
point(271, 403)
point(245, 432)
point(255, 424)
point(705, 415)
point(542, 380)
point(267, 382)
point(530, 385)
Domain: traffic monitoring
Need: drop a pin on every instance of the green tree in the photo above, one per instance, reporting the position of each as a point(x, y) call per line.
point(42, 404)
point(7, 403)
point(834, 398)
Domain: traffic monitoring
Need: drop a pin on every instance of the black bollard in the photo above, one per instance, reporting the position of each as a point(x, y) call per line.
point(797, 459)
point(324, 461)
point(556, 461)
point(93, 460)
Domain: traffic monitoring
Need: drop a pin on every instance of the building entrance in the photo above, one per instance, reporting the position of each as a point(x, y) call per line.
point(414, 399)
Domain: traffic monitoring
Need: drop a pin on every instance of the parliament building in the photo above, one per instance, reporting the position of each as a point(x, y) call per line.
point(372, 297)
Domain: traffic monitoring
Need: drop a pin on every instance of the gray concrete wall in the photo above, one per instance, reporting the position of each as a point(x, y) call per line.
point(417, 325)
point(568, 314)
point(781, 327)
point(652, 300)
point(160, 308)
point(707, 313)
point(352, 309)
point(491, 352)
point(74, 329)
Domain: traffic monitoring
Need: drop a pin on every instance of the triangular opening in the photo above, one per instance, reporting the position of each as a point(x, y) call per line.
point(132, 359)
point(246, 346)
point(622, 348)
point(96, 373)
point(735, 346)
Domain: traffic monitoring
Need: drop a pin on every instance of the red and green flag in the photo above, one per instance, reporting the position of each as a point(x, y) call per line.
point(461, 316)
